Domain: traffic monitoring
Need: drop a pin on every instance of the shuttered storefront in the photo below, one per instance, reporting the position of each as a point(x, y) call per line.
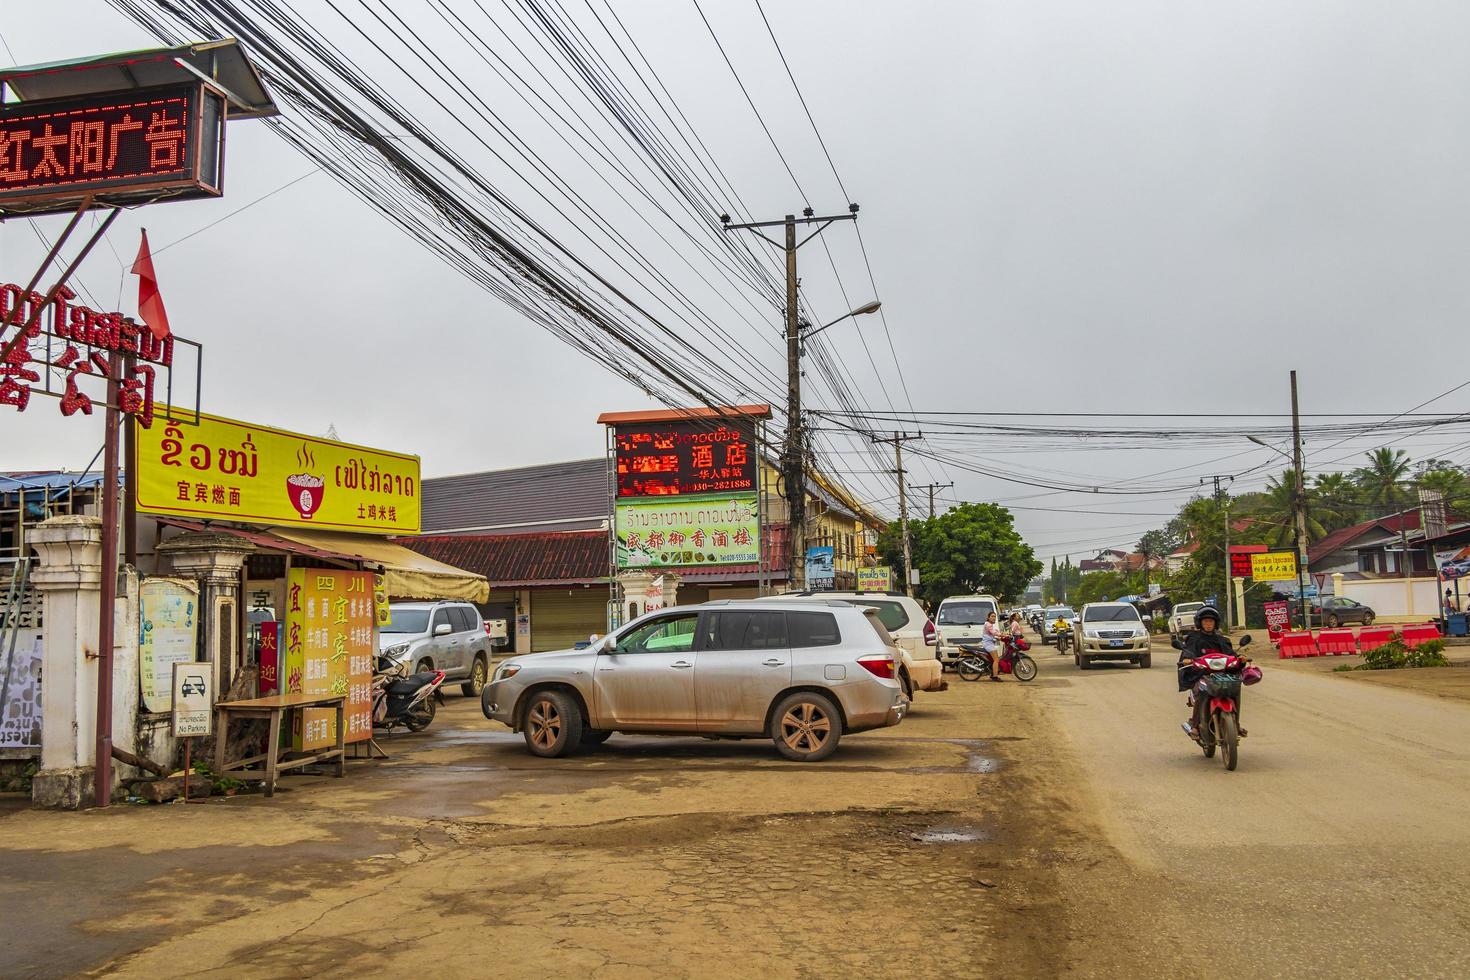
point(562, 618)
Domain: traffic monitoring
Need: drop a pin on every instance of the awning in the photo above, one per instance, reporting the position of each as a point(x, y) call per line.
point(408, 574)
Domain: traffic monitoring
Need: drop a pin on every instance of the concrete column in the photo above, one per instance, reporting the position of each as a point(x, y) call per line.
point(635, 583)
point(1239, 600)
point(69, 578)
point(1337, 583)
point(671, 588)
point(215, 561)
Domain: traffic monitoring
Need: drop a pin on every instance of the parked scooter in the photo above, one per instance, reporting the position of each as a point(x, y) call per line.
point(402, 699)
point(1224, 673)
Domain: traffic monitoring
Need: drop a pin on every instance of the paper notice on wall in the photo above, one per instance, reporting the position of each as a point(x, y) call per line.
point(20, 690)
point(168, 630)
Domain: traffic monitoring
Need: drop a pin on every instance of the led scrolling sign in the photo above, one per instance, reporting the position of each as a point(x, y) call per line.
point(681, 458)
point(123, 146)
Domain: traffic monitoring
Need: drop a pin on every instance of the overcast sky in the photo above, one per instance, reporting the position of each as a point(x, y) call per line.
point(1069, 206)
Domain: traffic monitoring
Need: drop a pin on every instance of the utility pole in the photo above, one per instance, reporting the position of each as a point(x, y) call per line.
point(793, 462)
point(1224, 504)
point(1299, 504)
point(931, 487)
point(898, 439)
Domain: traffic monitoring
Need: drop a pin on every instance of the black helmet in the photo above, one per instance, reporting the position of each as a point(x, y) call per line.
point(1209, 611)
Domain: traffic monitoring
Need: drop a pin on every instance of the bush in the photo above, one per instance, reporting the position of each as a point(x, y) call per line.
point(1394, 655)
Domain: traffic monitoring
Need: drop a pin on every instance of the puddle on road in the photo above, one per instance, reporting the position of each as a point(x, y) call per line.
point(951, 834)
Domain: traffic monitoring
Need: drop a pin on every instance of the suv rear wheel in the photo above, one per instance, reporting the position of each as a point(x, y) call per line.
point(476, 683)
point(806, 727)
point(553, 724)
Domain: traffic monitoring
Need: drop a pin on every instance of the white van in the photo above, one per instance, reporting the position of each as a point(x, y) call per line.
point(961, 619)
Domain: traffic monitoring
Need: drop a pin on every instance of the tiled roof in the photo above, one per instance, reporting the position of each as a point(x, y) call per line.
point(563, 557)
point(554, 496)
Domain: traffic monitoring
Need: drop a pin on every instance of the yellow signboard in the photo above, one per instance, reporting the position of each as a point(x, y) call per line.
point(878, 579)
point(221, 469)
point(1273, 566)
point(330, 617)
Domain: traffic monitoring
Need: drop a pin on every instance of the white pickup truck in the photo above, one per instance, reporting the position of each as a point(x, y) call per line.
point(1181, 620)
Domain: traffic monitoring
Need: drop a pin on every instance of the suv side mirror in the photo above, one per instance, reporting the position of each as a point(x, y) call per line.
point(443, 629)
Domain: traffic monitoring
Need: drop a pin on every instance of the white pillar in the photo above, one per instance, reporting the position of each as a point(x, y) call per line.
point(69, 578)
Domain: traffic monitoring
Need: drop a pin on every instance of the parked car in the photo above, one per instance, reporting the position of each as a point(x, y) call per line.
point(803, 673)
point(1336, 610)
point(909, 625)
point(960, 619)
point(1049, 617)
point(448, 636)
point(1111, 631)
point(1181, 620)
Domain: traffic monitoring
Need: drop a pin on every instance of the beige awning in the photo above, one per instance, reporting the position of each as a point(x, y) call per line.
point(408, 574)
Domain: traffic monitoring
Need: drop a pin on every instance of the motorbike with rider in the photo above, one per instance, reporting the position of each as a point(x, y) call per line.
point(1205, 639)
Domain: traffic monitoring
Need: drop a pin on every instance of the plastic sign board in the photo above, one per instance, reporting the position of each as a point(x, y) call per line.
point(821, 570)
point(1278, 615)
point(193, 699)
point(1240, 559)
point(687, 457)
point(125, 146)
point(168, 631)
point(222, 469)
point(655, 533)
point(1274, 566)
point(329, 649)
point(878, 579)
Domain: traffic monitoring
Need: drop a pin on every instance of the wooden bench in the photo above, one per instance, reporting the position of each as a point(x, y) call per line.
point(272, 708)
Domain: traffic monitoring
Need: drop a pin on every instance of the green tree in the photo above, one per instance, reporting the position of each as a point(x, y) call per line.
point(1381, 480)
point(1337, 502)
point(1450, 482)
point(1275, 509)
point(969, 548)
point(1107, 586)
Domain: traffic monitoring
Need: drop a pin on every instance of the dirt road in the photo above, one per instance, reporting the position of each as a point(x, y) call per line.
point(1337, 849)
point(1061, 827)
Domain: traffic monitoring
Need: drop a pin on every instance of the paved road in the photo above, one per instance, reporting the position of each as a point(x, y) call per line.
point(1337, 848)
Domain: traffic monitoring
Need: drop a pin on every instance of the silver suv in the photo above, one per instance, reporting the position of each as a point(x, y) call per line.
point(447, 636)
point(801, 673)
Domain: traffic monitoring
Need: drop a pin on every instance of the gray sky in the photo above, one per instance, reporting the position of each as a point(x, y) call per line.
point(1069, 206)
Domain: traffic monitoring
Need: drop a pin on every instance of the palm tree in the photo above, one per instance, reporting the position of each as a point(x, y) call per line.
point(1380, 479)
point(1451, 483)
point(1276, 510)
point(1334, 500)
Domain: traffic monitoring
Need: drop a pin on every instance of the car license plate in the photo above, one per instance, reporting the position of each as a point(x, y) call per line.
point(1115, 643)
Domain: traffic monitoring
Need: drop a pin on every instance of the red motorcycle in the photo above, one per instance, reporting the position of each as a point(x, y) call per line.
point(975, 663)
point(1221, 681)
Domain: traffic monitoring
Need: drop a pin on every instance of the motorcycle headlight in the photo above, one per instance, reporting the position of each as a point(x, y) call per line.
point(506, 671)
point(397, 651)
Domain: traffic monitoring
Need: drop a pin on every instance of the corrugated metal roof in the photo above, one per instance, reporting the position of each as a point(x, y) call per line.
point(55, 479)
point(564, 496)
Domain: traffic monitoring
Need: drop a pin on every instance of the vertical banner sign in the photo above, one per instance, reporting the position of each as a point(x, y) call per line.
point(20, 678)
point(821, 570)
point(270, 658)
point(330, 621)
point(168, 629)
point(1278, 615)
point(380, 601)
point(191, 699)
point(878, 579)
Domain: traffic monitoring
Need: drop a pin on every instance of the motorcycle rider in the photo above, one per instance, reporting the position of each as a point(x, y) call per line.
point(1205, 639)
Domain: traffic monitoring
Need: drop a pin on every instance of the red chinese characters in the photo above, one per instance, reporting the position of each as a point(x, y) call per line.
point(680, 458)
point(80, 141)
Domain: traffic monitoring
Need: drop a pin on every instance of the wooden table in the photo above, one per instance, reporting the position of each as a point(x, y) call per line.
point(271, 708)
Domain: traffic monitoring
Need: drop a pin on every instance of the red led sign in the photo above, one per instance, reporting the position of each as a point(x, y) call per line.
point(672, 458)
point(154, 140)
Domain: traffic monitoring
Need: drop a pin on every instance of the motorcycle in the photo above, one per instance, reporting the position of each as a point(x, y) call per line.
point(1223, 676)
point(402, 699)
point(975, 663)
point(1064, 636)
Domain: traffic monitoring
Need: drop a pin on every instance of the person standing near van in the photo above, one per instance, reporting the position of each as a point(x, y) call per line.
point(990, 642)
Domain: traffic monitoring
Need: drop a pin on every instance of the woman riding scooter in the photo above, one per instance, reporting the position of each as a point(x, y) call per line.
point(1205, 639)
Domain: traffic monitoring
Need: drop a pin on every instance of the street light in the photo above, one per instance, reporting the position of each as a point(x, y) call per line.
point(860, 311)
point(1261, 442)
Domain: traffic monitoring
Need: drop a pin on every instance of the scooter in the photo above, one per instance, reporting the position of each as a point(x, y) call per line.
point(402, 699)
point(1064, 637)
point(976, 663)
point(1224, 674)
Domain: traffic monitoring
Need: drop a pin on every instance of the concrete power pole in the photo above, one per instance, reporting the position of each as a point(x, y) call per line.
point(1229, 578)
point(1299, 504)
point(898, 439)
point(931, 487)
point(793, 462)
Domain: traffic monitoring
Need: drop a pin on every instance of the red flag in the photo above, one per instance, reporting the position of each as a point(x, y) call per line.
point(150, 300)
